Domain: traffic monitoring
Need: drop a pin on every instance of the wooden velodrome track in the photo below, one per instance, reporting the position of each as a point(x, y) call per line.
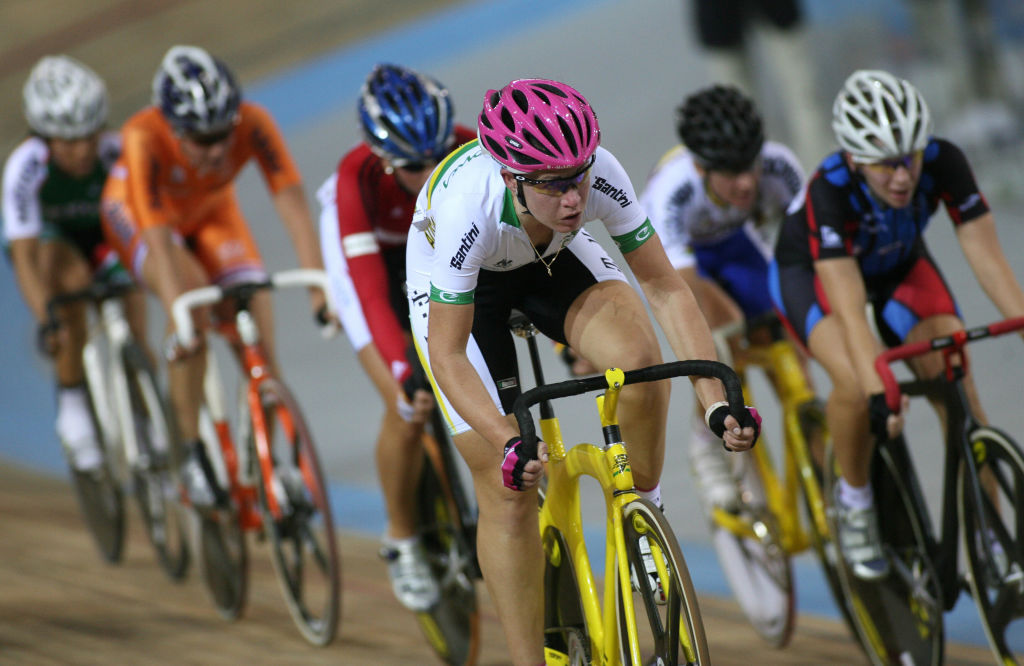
point(59, 604)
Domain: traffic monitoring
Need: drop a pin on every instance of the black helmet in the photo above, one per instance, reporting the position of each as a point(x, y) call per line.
point(721, 127)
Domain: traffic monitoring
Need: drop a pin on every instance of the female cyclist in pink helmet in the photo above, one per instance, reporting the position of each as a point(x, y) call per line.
point(537, 124)
point(491, 237)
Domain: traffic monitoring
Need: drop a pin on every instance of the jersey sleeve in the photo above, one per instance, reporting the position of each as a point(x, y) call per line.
point(954, 182)
point(366, 265)
point(145, 163)
point(613, 200)
point(667, 199)
point(458, 255)
point(24, 174)
point(268, 146)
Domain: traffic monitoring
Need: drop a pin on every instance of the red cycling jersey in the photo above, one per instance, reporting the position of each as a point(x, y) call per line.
point(374, 214)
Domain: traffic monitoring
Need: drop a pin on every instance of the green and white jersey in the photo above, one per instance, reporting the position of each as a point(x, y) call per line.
point(465, 222)
point(39, 200)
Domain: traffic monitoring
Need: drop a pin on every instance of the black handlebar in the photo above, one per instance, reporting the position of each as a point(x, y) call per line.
point(571, 387)
point(96, 292)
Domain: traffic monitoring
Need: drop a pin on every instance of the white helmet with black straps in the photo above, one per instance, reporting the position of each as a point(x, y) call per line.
point(64, 99)
point(877, 116)
point(196, 92)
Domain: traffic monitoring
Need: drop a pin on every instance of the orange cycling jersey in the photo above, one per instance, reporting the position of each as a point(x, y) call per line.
point(164, 189)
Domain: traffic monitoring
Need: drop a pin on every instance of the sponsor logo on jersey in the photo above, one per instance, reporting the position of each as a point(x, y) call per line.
point(503, 263)
point(467, 242)
point(451, 172)
point(970, 203)
point(830, 237)
point(615, 194)
point(269, 156)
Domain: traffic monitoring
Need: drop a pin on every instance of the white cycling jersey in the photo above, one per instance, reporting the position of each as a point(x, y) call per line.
point(32, 200)
point(465, 221)
point(685, 216)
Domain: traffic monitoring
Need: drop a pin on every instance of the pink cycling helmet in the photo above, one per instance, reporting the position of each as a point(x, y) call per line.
point(538, 124)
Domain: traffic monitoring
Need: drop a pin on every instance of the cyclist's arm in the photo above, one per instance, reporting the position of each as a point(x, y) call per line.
point(31, 282)
point(844, 287)
point(167, 284)
point(448, 337)
point(980, 244)
point(676, 310)
point(294, 212)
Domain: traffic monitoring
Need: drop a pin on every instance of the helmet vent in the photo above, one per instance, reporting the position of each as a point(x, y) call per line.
point(570, 135)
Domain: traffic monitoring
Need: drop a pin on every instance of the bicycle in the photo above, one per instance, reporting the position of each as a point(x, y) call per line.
point(136, 433)
point(756, 543)
point(274, 481)
point(579, 627)
point(899, 619)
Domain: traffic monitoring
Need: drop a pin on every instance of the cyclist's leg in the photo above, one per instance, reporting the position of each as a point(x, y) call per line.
point(610, 327)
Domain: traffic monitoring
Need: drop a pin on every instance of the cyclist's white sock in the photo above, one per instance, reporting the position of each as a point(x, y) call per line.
point(75, 427)
point(856, 497)
point(652, 495)
point(701, 435)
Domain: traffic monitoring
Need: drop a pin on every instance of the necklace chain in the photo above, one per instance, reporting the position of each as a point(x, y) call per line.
point(547, 264)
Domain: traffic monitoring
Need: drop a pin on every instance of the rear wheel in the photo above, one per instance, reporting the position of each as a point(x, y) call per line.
point(296, 513)
point(224, 561)
point(155, 470)
point(754, 562)
point(658, 619)
point(993, 542)
point(565, 625)
point(452, 626)
point(898, 619)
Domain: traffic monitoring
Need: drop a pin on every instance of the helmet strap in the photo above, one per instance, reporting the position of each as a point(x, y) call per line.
point(522, 197)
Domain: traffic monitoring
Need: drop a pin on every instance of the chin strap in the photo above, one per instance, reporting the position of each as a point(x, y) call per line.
point(522, 198)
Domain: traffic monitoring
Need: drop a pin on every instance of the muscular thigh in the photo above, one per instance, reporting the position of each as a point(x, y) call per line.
point(827, 346)
point(65, 267)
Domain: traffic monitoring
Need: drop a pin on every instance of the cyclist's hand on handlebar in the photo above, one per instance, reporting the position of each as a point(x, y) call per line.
point(519, 473)
point(885, 423)
point(175, 351)
point(326, 320)
point(416, 410)
point(48, 337)
point(736, 434)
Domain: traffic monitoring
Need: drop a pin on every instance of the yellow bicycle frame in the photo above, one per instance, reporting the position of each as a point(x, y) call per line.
point(611, 468)
point(792, 390)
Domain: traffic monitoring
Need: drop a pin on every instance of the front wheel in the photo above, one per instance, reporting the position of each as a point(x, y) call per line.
point(656, 606)
point(993, 537)
point(155, 469)
point(296, 512)
point(224, 561)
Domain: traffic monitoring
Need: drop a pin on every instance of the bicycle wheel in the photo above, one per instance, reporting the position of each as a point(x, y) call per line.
point(224, 561)
point(297, 518)
point(758, 568)
point(664, 622)
point(155, 471)
point(452, 626)
point(993, 541)
point(898, 619)
point(101, 500)
point(566, 637)
point(811, 453)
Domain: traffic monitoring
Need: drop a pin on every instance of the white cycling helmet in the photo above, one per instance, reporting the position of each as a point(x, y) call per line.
point(64, 99)
point(877, 116)
point(196, 92)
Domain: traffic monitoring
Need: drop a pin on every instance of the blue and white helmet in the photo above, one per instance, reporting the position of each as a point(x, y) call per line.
point(64, 99)
point(195, 91)
point(405, 116)
point(877, 116)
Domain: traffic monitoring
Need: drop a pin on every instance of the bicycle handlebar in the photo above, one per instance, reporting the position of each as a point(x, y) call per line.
point(96, 292)
point(181, 309)
point(571, 387)
point(958, 340)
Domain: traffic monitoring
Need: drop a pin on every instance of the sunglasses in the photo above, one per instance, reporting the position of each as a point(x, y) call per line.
point(415, 167)
point(211, 139)
point(558, 186)
point(893, 163)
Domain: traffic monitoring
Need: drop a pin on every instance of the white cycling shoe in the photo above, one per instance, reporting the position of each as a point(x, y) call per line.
point(412, 581)
point(713, 473)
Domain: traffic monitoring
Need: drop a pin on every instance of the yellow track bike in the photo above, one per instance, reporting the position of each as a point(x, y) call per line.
point(648, 618)
point(755, 544)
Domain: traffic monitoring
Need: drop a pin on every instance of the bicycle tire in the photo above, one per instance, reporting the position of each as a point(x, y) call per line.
point(899, 618)
point(224, 561)
point(304, 550)
point(101, 499)
point(155, 477)
point(673, 632)
point(811, 472)
point(759, 570)
point(452, 625)
point(565, 624)
point(999, 595)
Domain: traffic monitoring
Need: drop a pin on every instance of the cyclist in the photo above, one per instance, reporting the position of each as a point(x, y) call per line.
point(51, 228)
point(407, 123)
point(170, 210)
point(713, 201)
point(855, 237)
point(497, 226)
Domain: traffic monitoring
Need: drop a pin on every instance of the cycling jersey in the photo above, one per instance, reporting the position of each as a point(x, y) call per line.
point(154, 184)
point(364, 225)
point(41, 201)
point(727, 245)
point(467, 246)
point(836, 216)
